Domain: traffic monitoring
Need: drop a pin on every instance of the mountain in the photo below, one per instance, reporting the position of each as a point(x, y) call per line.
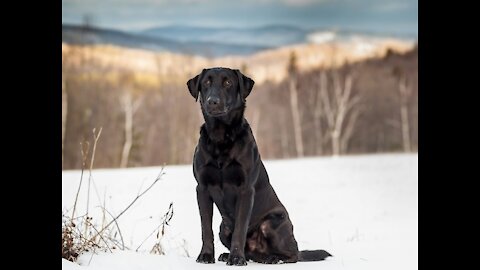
point(74, 34)
point(265, 36)
point(216, 42)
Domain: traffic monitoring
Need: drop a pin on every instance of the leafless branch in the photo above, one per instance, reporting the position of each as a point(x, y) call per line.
point(350, 126)
point(134, 200)
point(166, 218)
point(98, 234)
point(95, 137)
point(118, 226)
point(84, 152)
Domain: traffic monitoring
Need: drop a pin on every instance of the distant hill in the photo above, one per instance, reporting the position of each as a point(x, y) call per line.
point(214, 42)
point(264, 65)
point(265, 36)
point(74, 34)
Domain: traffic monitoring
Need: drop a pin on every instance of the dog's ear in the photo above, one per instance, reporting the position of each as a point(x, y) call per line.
point(245, 84)
point(194, 85)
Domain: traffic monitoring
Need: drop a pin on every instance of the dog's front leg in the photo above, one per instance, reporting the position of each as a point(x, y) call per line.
point(205, 205)
point(242, 219)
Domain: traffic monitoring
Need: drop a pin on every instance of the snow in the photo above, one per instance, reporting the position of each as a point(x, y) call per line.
point(362, 209)
point(321, 37)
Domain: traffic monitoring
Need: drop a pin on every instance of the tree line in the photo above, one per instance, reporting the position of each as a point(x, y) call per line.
point(365, 107)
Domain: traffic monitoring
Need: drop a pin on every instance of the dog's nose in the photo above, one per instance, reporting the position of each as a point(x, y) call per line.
point(213, 100)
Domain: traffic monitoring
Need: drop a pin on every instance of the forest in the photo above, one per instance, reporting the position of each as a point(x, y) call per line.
point(149, 119)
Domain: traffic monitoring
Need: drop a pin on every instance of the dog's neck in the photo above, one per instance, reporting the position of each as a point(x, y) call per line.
point(224, 129)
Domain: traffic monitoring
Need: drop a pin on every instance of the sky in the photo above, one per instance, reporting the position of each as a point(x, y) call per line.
point(383, 16)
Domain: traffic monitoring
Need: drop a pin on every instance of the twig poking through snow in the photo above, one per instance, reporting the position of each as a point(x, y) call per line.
point(166, 218)
point(118, 227)
point(84, 152)
point(95, 137)
point(134, 200)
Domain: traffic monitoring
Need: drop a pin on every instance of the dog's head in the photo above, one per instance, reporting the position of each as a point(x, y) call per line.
point(221, 90)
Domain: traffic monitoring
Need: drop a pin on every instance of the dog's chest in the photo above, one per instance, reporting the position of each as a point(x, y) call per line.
point(221, 167)
point(220, 155)
point(219, 160)
point(222, 171)
point(222, 161)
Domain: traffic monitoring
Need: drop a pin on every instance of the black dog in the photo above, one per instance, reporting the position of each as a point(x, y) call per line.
point(229, 172)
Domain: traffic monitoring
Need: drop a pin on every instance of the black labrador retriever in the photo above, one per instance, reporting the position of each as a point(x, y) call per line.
point(229, 172)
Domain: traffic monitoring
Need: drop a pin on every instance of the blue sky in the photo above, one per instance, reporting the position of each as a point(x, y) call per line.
point(386, 16)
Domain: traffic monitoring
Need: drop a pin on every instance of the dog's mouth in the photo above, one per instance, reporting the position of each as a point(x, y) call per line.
point(216, 112)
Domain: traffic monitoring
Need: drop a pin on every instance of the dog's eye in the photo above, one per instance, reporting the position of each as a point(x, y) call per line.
point(208, 82)
point(227, 83)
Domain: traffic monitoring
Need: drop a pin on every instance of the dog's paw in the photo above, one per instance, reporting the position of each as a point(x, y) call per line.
point(205, 258)
point(223, 257)
point(236, 260)
point(272, 259)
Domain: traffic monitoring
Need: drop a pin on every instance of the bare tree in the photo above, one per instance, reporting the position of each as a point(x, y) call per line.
point(129, 107)
point(318, 113)
point(88, 21)
point(337, 108)
point(404, 87)
point(64, 112)
point(350, 127)
point(297, 125)
point(255, 122)
point(283, 134)
point(405, 91)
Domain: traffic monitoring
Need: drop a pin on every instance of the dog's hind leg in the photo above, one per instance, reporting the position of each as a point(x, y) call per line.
point(225, 235)
point(223, 257)
point(226, 239)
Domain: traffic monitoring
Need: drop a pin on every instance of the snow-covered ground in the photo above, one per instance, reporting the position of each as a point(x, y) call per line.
point(362, 209)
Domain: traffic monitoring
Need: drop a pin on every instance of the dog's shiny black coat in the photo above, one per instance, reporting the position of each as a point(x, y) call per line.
point(230, 173)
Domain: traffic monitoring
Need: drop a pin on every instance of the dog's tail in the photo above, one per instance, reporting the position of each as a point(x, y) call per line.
point(312, 255)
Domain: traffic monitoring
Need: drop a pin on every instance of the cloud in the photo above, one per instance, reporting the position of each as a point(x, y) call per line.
point(302, 3)
point(391, 6)
point(292, 3)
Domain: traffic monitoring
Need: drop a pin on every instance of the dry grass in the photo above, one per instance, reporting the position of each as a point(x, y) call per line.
point(81, 234)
